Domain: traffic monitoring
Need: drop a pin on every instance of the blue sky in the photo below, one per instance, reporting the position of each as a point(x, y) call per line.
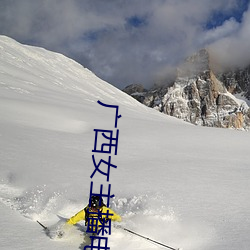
point(218, 17)
point(131, 41)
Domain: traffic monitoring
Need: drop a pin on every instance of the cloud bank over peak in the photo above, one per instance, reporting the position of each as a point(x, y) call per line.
point(132, 41)
point(232, 50)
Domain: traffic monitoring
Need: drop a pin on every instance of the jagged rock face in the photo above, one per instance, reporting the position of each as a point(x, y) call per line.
point(205, 102)
point(133, 88)
point(237, 81)
point(136, 90)
point(199, 97)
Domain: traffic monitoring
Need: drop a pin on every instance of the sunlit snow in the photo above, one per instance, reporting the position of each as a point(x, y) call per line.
point(182, 185)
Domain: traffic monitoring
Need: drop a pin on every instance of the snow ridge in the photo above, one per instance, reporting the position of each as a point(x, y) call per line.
point(183, 185)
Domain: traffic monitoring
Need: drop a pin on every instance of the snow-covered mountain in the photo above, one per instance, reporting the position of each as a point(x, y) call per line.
point(201, 96)
point(183, 185)
point(237, 81)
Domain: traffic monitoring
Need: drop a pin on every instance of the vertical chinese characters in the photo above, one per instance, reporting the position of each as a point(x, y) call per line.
point(106, 143)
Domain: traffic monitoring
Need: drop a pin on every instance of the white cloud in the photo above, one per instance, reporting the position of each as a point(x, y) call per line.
point(97, 32)
point(228, 28)
point(233, 50)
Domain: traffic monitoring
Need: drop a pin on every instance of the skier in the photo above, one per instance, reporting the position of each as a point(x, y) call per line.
point(96, 215)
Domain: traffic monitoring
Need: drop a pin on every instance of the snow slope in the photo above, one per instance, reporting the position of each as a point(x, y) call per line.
point(176, 183)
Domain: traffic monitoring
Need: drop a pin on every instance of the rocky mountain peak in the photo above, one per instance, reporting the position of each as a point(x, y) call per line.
point(200, 96)
point(196, 64)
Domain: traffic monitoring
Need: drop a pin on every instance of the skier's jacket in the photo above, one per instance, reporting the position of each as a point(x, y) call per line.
point(86, 214)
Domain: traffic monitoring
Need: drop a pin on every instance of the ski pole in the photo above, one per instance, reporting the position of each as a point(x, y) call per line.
point(150, 239)
point(45, 228)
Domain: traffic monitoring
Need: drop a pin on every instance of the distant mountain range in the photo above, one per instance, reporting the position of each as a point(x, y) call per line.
point(201, 94)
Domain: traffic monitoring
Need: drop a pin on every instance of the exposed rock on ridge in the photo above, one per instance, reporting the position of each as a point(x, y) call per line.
point(198, 96)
